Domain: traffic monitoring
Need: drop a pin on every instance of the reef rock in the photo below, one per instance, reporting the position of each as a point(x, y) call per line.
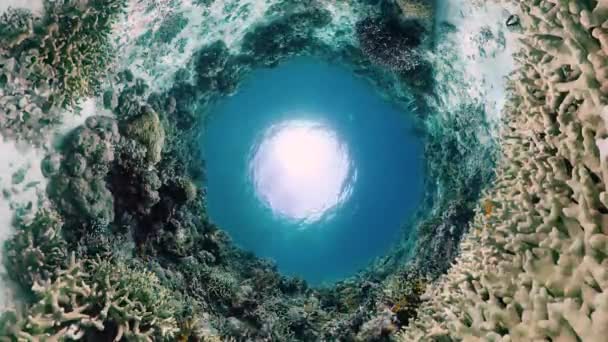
point(80, 189)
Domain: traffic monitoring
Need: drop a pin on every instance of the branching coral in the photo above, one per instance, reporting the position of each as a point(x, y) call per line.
point(135, 300)
point(92, 299)
point(51, 62)
point(60, 312)
point(37, 249)
point(73, 46)
point(534, 267)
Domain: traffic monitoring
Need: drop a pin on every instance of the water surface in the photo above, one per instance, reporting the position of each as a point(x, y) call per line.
point(309, 166)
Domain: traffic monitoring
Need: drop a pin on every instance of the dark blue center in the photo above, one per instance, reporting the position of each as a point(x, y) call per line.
point(309, 166)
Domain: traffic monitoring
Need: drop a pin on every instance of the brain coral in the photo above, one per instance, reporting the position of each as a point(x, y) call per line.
point(535, 266)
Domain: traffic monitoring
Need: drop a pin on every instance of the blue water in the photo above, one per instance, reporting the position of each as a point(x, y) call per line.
point(383, 187)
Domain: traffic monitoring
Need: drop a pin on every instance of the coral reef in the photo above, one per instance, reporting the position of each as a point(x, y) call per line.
point(416, 9)
point(52, 62)
point(388, 44)
point(147, 264)
point(533, 266)
point(96, 300)
point(79, 187)
point(37, 249)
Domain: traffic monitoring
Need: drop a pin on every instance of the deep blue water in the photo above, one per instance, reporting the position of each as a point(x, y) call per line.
point(384, 154)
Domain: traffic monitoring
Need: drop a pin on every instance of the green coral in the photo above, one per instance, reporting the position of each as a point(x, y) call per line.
point(135, 299)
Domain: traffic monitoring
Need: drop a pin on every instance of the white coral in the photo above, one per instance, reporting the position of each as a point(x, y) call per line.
point(536, 267)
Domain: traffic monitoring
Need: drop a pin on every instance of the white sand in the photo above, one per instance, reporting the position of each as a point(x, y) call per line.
point(487, 73)
point(15, 157)
point(12, 159)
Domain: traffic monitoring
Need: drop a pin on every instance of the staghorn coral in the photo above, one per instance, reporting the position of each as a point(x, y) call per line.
point(534, 266)
point(74, 45)
point(93, 299)
point(61, 310)
point(135, 300)
point(52, 62)
point(37, 249)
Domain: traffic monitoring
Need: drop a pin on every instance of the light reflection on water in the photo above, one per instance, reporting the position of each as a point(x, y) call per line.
point(309, 166)
point(301, 170)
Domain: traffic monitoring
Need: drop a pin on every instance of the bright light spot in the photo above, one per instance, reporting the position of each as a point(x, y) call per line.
point(301, 170)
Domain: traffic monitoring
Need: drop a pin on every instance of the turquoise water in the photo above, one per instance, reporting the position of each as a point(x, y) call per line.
point(309, 166)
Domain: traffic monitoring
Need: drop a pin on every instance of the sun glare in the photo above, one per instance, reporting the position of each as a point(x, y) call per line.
point(301, 170)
